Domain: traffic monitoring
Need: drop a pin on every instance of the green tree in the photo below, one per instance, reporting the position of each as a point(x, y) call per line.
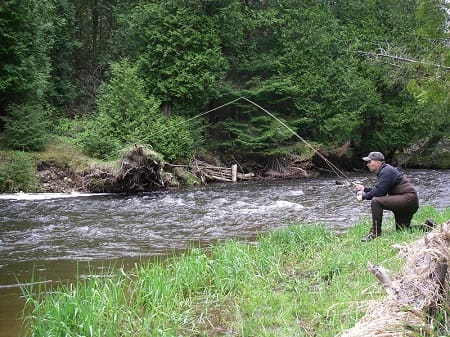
point(62, 91)
point(178, 52)
point(293, 62)
point(27, 127)
point(126, 115)
point(26, 37)
point(411, 73)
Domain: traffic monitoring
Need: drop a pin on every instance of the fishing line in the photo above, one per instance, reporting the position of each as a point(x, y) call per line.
point(333, 167)
point(216, 108)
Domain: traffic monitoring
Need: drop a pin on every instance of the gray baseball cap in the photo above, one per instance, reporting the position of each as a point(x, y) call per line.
point(374, 156)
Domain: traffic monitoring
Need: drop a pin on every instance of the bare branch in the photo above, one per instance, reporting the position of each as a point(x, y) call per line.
point(400, 58)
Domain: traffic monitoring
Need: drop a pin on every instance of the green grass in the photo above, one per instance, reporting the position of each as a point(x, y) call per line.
point(302, 280)
point(18, 168)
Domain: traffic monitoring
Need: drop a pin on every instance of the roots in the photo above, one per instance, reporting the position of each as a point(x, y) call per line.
point(140, 170)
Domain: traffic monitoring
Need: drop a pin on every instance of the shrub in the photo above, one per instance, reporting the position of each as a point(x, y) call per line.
point(17, 172)
point(26, 127)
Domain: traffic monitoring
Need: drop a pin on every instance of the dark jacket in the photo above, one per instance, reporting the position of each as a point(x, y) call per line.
point(390, 181)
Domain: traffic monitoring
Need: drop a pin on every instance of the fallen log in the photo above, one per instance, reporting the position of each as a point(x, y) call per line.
point(417, 298)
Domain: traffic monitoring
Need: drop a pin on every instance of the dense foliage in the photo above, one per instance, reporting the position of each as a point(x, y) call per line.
point(373, 74)
point(26, 127)
point(126, 116)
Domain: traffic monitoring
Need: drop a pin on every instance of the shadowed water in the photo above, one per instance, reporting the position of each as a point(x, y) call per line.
point(58, 235)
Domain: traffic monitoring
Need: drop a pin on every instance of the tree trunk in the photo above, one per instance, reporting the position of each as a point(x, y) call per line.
point(94, 33)
point(166, 108)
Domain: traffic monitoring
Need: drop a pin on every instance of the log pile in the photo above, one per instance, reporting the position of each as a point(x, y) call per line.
point(211, 173)
point(416, 300)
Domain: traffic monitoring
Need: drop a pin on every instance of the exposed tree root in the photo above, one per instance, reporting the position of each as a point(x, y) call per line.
point(140, 170)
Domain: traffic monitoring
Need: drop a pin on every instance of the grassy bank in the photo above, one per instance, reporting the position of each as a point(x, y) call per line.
point(302, 280)
point(18, 169)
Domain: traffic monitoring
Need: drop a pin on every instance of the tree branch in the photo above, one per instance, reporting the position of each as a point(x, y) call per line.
point(399, 58)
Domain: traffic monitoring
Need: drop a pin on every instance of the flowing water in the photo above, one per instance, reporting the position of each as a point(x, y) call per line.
point(54, 237)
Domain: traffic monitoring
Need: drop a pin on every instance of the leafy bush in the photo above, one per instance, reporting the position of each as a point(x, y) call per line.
point(96, 140)
point(169, 136)
point(127, 116)
point(26, 127)
point(17, 172)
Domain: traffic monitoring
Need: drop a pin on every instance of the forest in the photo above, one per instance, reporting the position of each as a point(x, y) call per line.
point(348, 76)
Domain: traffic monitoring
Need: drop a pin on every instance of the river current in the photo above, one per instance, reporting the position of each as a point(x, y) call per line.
point(52, 235)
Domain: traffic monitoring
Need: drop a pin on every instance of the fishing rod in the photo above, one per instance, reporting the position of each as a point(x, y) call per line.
point(333, 167)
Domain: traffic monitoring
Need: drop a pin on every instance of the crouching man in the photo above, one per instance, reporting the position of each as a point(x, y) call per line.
point(392, 191)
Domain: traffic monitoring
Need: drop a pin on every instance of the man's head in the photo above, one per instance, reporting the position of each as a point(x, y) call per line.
point(374, 160)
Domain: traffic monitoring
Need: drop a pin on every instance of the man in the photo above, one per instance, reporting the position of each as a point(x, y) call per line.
point(392, 191)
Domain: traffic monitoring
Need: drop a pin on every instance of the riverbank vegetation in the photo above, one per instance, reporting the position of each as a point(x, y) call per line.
point(347, 76)
point(301, 280)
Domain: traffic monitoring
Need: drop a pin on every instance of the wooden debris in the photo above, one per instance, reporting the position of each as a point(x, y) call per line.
point(210, 173)
point(416, 298)
point(140, 170)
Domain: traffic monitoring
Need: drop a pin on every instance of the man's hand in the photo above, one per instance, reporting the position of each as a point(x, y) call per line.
point(359, 196)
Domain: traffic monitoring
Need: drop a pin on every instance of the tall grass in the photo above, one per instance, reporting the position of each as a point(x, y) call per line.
point(302, 280)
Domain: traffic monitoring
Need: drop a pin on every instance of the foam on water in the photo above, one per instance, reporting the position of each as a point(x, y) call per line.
point(45, 196)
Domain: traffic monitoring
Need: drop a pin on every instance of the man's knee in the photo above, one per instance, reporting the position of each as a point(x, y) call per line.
point(376, 203)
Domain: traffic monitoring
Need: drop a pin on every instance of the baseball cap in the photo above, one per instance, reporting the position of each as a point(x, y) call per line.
point(374, 156)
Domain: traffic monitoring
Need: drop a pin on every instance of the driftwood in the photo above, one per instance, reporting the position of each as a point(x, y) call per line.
point(208, 172)
point(417, 298)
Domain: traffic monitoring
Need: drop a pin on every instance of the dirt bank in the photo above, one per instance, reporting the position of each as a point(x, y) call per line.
point(142, 170)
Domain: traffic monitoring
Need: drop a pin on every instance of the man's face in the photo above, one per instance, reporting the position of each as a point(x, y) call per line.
point(373, 165)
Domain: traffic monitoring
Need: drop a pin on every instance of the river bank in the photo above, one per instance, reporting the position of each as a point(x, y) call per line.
point(63, 168)
point(290, 283)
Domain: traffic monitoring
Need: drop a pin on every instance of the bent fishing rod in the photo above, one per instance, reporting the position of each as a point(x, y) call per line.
point(333, 167)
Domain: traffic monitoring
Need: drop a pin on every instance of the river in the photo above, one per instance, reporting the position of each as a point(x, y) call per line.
point(54, 237)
